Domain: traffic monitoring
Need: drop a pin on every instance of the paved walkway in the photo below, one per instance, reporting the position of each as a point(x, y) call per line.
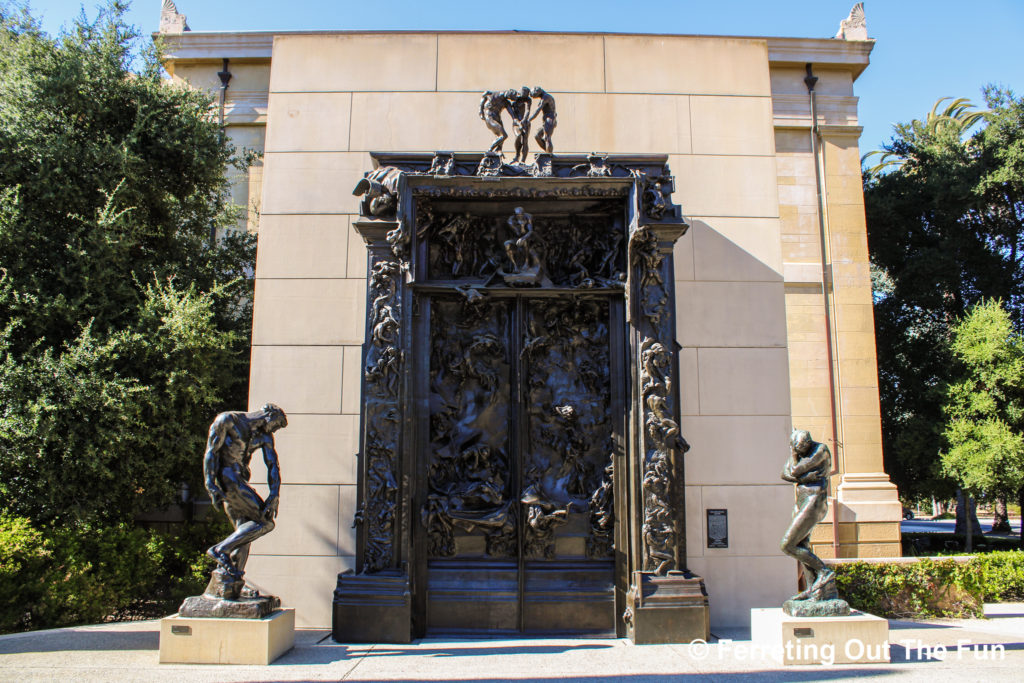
point(128, 652)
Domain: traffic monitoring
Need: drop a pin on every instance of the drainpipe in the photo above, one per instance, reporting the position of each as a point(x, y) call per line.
point(826, 286)
point(225, 77)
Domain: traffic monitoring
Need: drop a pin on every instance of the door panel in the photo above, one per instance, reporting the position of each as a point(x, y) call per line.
point(470, 509)
point(574, 596)
point(567, 458)
point(569, 434)
point(518, 504)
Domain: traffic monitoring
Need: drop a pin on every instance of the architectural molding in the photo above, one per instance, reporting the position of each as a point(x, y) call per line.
point(258, 45)
point(246, 107)
point(797, 52)
point(788, 110)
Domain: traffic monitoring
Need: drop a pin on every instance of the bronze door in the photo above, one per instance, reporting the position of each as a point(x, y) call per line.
point(526, 417)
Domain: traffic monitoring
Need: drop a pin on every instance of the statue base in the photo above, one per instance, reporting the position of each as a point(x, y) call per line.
point(527, 277)
point(490, 164)
point(855, 639)
point(667, 609)
point(224, 585)
point(205, 607)
point(225, 598)
point(185, 640)
point(372, 608)
point(816, 608)
point(820, 600)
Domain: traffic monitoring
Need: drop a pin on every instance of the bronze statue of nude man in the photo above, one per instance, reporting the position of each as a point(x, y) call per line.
point(492, 103)
point(546, 110)
point(519, 108)
point(234, 436)
point(809, 466)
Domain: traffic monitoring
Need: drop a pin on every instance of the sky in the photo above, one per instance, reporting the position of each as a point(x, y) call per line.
point(925, 49)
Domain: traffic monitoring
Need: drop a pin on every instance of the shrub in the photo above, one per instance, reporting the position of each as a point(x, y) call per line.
point(24, 556)
point(929, 588)
point(1003, 575)
point(932, 587)
point(94, 570)
point(60, 576)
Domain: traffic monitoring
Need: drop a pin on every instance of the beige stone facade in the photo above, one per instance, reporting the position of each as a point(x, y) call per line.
point(762, 307)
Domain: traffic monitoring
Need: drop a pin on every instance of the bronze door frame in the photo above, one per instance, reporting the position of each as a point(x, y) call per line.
point(656, 598)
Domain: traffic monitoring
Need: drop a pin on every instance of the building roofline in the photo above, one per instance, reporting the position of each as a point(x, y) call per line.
point(202, 46)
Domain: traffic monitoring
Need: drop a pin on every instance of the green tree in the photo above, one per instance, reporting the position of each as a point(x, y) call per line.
point(984, 405)
point(123, 329)
point(945, 217)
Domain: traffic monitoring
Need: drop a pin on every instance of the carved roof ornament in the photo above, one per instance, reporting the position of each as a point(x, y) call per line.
point(379, 190)
point(171, 20)
point(855, 26)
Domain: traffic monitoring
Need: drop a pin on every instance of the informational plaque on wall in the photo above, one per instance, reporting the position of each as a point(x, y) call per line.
point(718, 528)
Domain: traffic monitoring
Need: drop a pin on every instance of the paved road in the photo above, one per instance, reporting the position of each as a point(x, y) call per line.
point(932, 651)
point(948, 525)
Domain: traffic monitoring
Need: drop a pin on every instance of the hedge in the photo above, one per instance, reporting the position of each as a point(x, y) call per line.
point(61, 576)
point(932, 587)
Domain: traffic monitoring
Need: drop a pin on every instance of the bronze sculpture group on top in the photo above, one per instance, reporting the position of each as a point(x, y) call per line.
point(517, 103)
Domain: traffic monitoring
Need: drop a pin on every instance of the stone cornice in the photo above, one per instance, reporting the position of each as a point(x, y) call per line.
point(258, 45)
point(845, 54)
point(197, 46)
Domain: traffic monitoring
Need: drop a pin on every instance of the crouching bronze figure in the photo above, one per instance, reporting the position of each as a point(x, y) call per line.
point(234, 437)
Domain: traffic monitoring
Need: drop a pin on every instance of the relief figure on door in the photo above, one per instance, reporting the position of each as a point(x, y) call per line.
point(522, 249)
point(568, 453)
point(468, 474)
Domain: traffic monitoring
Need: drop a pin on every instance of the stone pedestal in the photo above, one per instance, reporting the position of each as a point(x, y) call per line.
point(855, 639)
point(372, 608)
point(667, 609)
point(196, 640)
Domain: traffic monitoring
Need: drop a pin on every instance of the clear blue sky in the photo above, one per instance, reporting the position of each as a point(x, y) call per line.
point(925, 49)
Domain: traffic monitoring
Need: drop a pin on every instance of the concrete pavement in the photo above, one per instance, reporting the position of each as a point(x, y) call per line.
point(934, 651)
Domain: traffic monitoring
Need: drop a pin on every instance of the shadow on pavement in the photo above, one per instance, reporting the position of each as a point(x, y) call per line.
point(81, 640)
point(764, 675)
point(485, 650)
point(320, 654)
point(971, 652)
point(329, 652)
point(895, 625)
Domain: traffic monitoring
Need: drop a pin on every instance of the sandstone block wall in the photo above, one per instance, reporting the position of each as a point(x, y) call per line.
point(749, 276)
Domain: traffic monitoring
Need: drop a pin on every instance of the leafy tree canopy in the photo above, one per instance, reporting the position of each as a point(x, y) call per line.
point(945, 216)
point(985, 404)
point(123, 329)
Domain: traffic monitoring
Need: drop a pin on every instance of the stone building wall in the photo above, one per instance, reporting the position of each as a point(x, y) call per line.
point(868, 509)
point(731, 113)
